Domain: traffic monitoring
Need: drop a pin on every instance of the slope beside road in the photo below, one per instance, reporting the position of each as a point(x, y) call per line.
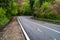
point(12, 31)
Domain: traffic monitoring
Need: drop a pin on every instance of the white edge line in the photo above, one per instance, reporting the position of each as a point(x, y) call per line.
point(47, 27)
point(27, 38)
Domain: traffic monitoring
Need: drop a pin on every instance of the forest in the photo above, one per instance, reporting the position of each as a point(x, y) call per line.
point(48, 9)
point(8, 8)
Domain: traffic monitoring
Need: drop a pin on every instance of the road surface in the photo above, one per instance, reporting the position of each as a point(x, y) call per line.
point(39, 30)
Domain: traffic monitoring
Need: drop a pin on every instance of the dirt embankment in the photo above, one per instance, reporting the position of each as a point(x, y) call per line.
point(12, 31)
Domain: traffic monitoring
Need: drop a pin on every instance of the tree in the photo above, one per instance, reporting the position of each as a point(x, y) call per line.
point(41, 2)
point(4, 3)
point(31, 5)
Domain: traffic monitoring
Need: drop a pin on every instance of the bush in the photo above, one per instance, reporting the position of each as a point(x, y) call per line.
point(3, 18)
point(47, 12)
point(36, 3)
point(3, 21)
point(40, 11)
point(44, 9)
point(14, 8)
point(8, 8)
point(25, 9)
point(2, 12)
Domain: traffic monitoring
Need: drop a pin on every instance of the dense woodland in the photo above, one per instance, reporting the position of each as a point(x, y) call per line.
point(48, 9)
point(8, 8)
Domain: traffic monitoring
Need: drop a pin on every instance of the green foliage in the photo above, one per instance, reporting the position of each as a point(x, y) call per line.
point(50, 14)
point(3, 18)
point(4, 3)
point(31, 4)
point(25, 9)
point(3, 21)
point(44, 8)
point(36, 3)
point(47, 12)
point(41, 2)
point(8, 8)
point(14, 8)
point(2, 12)
point(37, 8)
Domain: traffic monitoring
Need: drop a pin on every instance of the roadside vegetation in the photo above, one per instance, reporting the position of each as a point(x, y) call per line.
point(8, 8)
point(47, 9)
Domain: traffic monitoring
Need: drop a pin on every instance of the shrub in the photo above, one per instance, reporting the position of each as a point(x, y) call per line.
point(8, 8)
point(44, 8)
point(36, 3)
point(40, 11)
point(14, 8)
point(3, 21)
point(25, 9)
point(2, 12)
point(3, 18)
point(48, 12)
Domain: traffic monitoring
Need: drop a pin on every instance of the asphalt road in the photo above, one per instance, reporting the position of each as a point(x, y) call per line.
point(39, 30)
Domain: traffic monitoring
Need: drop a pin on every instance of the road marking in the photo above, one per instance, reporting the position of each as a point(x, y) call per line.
point(55, 39)
point(27, 37)
point(45, 27)
point(39, 30)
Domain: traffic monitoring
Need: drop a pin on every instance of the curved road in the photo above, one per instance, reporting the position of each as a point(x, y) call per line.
point(39, 30)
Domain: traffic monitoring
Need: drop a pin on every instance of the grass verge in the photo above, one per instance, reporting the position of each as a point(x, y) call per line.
point(48, 20)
